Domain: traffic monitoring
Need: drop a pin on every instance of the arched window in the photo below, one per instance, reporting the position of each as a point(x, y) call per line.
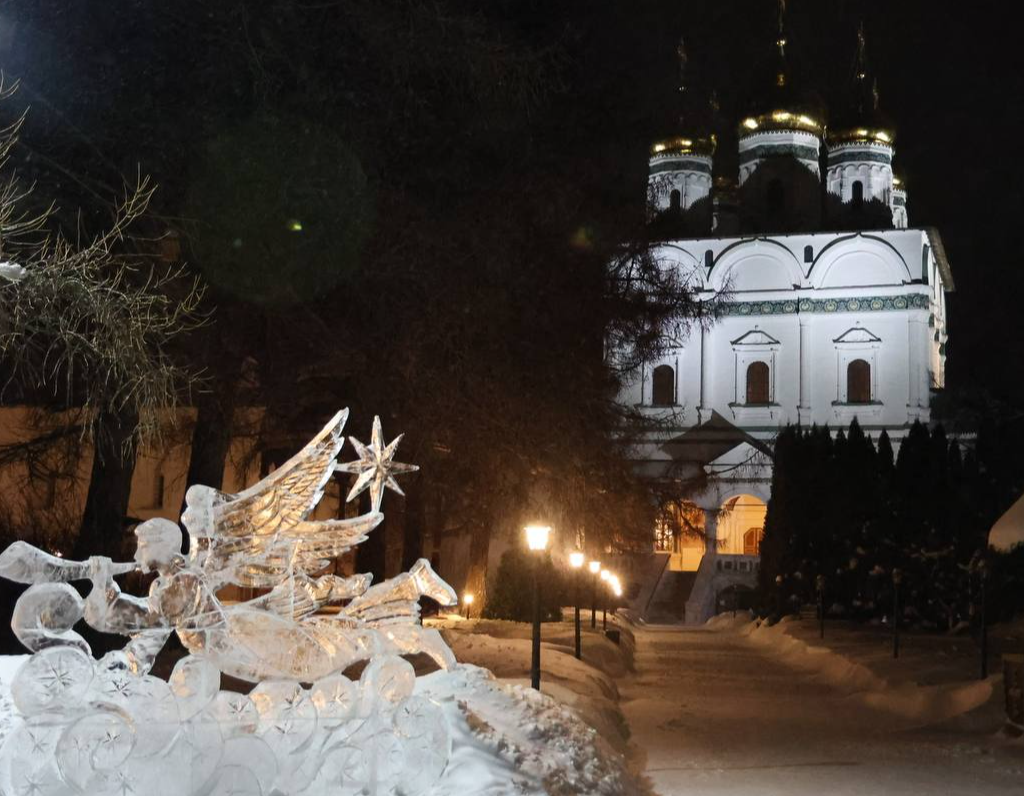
point(709, 259)
point(808, 254)
point(858, 193)
point(673, 200)
point(775, 197)
point(757, 383)
point(858, 382)
point(663, 386)
point(752, 542)
point(664, 531)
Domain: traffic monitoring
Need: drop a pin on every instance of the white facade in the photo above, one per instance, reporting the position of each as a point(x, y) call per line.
point(807, 306)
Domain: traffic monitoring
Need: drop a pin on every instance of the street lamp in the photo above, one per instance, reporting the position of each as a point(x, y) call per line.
point(594, 567)
point(576, 560)
point(467, 600)
point(537, 541)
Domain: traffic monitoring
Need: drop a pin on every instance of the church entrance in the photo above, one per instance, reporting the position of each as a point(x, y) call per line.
point(741, 525)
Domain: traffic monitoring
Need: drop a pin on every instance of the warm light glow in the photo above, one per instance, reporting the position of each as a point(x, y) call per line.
point(750, 124)
point(605, 574)
point(595, 567)
point(537, 536)
point(467, 599)
point(294, 225)
point(576, 560)
point(617, 588)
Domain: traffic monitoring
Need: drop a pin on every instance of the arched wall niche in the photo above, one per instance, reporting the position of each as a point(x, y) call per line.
point(756, 265)
point(859, 261)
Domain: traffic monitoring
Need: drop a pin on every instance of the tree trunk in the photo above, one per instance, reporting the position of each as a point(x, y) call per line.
point(106, 505)
point(371, 554)
point(211, 439)
point(476, 578)
point(412, 537)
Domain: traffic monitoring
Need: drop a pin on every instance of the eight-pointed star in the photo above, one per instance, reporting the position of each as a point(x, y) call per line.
point(376, 467)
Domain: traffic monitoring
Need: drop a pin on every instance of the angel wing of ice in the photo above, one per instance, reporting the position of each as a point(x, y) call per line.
point(261, 536)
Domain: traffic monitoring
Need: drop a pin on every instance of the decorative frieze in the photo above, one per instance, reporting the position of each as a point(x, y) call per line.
point(825, 305)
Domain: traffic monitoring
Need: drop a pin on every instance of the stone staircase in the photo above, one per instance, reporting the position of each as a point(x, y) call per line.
point(668, 603)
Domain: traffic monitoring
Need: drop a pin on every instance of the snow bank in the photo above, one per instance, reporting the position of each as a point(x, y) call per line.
point(587, 686)
point(912, 704)
point(509, 739)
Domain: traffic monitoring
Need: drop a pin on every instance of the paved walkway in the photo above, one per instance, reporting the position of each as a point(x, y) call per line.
point(715, 714)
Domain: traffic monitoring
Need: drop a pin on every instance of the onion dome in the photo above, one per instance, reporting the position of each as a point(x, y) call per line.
point(860, 120)
point(691, 129)
point(680, 164)
point(780, 105)
point(860, 150)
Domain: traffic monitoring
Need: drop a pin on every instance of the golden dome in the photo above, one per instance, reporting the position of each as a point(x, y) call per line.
point(702, 146)
point(781, 120)
point(862, 135)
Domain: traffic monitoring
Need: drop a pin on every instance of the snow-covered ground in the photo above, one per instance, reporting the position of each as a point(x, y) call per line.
point(717, 710)
point(934, 679)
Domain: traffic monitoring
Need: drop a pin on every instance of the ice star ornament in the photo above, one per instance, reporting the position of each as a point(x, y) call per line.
point(376, 467)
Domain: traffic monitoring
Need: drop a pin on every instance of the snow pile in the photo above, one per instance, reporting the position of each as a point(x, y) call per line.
point(907, 701)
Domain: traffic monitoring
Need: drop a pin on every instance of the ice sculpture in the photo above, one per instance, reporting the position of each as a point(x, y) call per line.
point(104, 726)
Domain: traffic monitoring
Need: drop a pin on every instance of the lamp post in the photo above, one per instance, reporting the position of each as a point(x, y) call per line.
point(537, 540)
point(576, 562)
point(616, 586)
point(819, 583)
point(897, 579)
point(606, 577)
point(467, 600)
point(595, 568)
point(983, 572)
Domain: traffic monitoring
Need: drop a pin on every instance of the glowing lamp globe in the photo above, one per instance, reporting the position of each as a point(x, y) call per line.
point(537, 536)
point(576, 560)
point(467, 599)
point(605, 574)
point(595, 567)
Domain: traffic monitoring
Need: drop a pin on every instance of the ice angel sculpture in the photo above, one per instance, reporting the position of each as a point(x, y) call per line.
point(261, 538)
point(92, 724)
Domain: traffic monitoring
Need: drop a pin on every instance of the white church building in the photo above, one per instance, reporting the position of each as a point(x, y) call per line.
point(831, 307)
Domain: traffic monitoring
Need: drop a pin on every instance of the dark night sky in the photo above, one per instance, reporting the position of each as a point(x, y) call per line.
point(949, 79)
